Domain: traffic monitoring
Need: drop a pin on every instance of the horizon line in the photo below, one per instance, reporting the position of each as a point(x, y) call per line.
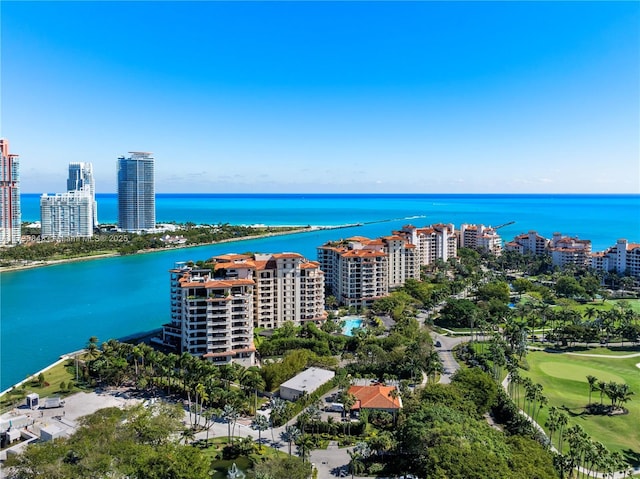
point(637, 193)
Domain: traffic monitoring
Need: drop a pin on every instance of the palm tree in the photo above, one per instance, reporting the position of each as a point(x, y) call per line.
point(394, 394)
point(305, 444)
point(169, 364)
point(188, 434)
point(252, 379)
point(348, 400)
point(563, 421)
point(290, 435)
point(357, 454)
point(303, 419)
point(260, 423)
point(592, 385)
point(315, 414)
point(552, 422)
point(578, 443)
point(624, 394)
point(230, 414)
point(209, 414)
point(278, 408)
point(381, 442)
point(201, 398)
point(92, 348)
point(602, 387)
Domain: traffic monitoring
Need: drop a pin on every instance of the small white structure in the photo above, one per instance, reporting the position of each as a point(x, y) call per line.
point(50, 432)
point(13, 422)
point(33, 401)
point(53, 401)
point(306, 382)
point(13, 435)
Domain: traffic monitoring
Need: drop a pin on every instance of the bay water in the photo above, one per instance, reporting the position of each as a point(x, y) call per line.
point(48, 311)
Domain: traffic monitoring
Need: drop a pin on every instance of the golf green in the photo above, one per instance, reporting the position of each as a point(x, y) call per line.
point(576, 372)
point(564, 381)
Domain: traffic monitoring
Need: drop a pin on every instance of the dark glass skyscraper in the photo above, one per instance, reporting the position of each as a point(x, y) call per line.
point(136, 192)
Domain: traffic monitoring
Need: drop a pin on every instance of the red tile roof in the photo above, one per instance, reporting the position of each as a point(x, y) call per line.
point(375, 397)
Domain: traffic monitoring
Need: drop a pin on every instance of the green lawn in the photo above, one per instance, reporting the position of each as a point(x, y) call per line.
point(607, 305)
point(564, 382)
point(53, 377)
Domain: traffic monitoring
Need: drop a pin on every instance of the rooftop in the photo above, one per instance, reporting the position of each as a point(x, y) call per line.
point(375, 397)
point(309, 380)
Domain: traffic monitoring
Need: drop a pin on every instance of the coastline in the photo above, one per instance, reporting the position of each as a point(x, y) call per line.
point(43, 263)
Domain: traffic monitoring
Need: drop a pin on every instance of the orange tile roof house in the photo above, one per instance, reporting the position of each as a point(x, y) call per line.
point(375, 397)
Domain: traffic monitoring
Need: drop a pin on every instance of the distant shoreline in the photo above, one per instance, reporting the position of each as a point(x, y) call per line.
point(43, 263)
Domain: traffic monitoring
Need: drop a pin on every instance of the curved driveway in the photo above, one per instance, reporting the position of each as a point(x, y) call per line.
point(445, 352)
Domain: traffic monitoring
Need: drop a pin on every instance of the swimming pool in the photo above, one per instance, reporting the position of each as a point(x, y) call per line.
point(351, 323)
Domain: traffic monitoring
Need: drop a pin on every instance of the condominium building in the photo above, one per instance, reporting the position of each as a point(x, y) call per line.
point(67, 215)
point(211, 317)
point(567, 251)
point(480, 237)
point(402, 261)
point(359, 270)
point(528, 243)
point(81, 179)
point(215, 308)
point(435, 242)
point(9, 196)
point(71, 214)
point(622, 258)
point(136, 192)
point(287, 286)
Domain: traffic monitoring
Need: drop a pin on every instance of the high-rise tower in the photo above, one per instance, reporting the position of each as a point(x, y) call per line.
point(9, 196)
point(136, 192)
point(81, 179)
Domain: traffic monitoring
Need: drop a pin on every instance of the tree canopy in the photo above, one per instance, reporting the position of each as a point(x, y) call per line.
point(140, 442)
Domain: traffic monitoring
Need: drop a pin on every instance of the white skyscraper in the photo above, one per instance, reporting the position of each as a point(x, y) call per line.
point(67, 215)
point(81, 178)
point(72, 214)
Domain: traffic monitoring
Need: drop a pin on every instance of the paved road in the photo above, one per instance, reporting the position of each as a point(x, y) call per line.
point(445, 352)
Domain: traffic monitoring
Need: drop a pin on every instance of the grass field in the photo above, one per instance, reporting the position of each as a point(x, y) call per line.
point(608, 305)
point(53, 377)
point(564, 381)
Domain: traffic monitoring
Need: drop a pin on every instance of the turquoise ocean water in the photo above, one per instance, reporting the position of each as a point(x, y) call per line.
point(48, 311)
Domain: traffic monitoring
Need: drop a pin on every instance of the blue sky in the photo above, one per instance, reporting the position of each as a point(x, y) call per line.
point(442, 97)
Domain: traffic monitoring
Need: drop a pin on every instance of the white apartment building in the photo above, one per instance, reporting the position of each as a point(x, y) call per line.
point(214, 309)
point(211, 318)
point(438, 241)
point(480, 237)
point(359, 270)
point(567, 251)
point(288, 287)
point(528, 243)
point(81, 179)
point(67, 215)
point(402, 260)
point(623, 258)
